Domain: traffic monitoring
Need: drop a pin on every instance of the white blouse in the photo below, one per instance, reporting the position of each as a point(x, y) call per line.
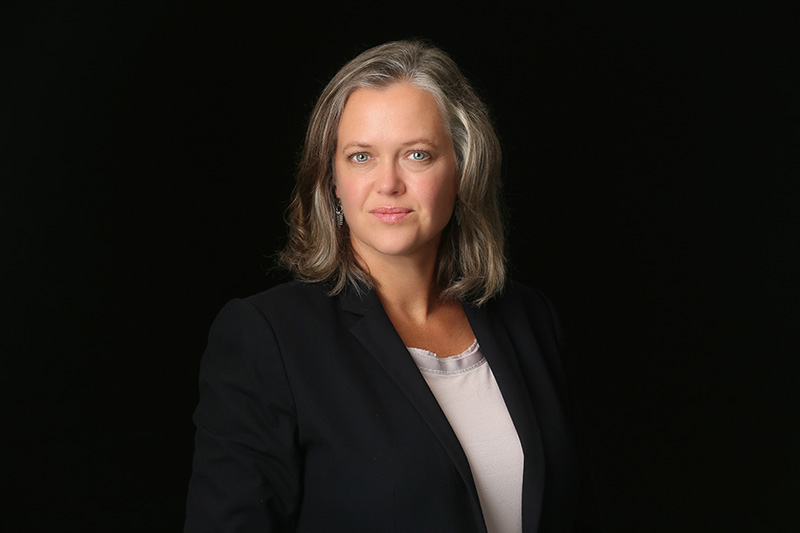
point(468, 394)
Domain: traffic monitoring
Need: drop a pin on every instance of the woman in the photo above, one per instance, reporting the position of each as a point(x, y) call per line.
point(400, 384)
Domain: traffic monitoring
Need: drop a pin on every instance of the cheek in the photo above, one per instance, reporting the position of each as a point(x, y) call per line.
point(440, 201)
point(349, 191)
point(444, 192)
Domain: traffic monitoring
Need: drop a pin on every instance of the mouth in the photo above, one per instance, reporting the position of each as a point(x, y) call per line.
point(391, 215)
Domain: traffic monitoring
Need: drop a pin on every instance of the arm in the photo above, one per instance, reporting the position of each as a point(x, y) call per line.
point(246, 473)
point(588, 516)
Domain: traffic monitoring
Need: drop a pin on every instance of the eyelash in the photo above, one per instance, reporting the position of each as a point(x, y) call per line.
point(427, 155)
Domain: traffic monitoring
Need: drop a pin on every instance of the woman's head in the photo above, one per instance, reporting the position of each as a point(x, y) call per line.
point(471, 262)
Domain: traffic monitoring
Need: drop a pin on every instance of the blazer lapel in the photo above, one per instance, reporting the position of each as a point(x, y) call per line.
point(502, 358)
point(376, 333)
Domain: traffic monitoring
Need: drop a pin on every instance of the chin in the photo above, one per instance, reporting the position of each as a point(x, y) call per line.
point(387, 247)
point(395, 251)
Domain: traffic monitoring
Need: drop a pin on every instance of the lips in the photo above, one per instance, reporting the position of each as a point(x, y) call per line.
point(390, 215)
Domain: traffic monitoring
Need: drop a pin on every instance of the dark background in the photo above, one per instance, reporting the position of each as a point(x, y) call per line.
point(651, 176)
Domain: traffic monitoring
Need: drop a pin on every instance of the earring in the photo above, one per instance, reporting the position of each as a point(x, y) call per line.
point(457, 211)
point(339, 213)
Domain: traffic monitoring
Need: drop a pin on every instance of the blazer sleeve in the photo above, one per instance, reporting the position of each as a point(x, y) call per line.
point(246, 472)
point(588, 517)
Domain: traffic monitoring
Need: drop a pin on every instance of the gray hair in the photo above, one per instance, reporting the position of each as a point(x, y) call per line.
point(471, 261)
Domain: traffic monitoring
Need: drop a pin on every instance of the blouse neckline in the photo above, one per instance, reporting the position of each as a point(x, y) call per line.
point(428, 361)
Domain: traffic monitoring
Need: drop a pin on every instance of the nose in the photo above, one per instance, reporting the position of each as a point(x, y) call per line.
point(388, 179)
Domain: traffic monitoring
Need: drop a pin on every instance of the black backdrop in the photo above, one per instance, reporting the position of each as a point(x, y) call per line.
point(651, 176)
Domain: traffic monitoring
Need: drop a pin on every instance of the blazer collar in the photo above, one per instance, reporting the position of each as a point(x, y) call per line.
point(496, 345)
point(359, 302)
point(375, 332)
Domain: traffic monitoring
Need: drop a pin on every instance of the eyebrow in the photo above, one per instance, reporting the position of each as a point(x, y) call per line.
point(359, 144)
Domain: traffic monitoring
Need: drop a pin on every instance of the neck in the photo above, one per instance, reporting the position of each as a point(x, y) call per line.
point(406, 285)
point(408, 292)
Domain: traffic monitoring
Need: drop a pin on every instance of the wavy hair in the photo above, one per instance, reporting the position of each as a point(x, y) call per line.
point(471, 264)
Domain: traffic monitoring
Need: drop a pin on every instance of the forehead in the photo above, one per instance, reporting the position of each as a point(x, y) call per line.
point(399, 108)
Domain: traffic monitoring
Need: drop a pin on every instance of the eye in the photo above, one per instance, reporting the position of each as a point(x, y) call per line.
point(360, 157)
point(418, 155)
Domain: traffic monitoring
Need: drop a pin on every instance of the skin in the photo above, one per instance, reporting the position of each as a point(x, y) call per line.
point(396, 177)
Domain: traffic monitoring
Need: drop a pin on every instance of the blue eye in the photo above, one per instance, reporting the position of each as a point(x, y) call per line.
point(419, 155)
point(360, 158)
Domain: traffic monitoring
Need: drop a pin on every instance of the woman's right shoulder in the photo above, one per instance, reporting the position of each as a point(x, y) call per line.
point(286, 307)
point(293, 300)
point(291, 294)
point(294, 290)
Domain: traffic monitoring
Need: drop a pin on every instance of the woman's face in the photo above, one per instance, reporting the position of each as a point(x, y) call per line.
point(395, 172)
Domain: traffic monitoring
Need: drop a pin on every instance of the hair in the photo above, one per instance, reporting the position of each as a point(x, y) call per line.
point(471, 263)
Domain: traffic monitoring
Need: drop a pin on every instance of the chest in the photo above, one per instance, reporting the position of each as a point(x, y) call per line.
point(356, 425)
point(445, 333)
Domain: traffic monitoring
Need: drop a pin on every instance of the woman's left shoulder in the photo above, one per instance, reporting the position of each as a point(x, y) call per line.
point(521, 304)
point(517, 294)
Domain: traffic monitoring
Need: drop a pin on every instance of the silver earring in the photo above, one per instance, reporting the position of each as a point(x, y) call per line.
point(339, 213)
point(458, 211)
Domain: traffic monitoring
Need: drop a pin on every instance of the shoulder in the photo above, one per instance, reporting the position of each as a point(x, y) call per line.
point(523, 306)
point(295, 306)
point(520, 290)
point(291, 301)
point(285, 301)
point(289, 294)
point(518, 295)
point(265, 322)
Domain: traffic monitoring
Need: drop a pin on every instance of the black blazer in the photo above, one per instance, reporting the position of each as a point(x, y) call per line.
point(313, 417)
